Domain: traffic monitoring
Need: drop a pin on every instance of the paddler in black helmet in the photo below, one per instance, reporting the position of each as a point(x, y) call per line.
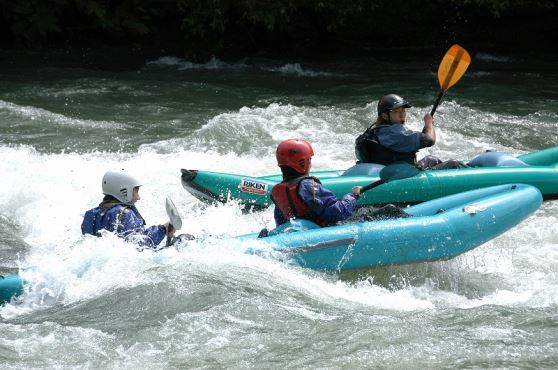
point(388, 140)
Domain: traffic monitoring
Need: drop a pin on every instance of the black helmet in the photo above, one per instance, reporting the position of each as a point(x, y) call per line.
point(391, 102)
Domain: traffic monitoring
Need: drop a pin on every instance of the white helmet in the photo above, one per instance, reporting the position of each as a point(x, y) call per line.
point(120, 185)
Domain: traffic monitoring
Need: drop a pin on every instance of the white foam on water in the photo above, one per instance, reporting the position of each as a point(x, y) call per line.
point(288, 69)
point(296, 69)
point(489, 57)
point(47, 195)
point(44, 117)
point(182, 64)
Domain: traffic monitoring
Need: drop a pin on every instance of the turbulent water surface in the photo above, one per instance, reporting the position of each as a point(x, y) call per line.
point(99, 303)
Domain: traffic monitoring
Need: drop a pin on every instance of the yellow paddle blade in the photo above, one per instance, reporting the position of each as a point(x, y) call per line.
point(453, 66)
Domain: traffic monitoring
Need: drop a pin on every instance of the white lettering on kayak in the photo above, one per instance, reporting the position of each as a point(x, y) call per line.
point(253, 187)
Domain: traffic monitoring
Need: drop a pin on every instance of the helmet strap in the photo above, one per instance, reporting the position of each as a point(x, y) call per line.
point(388, 120)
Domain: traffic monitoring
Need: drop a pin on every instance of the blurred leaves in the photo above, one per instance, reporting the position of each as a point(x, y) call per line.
point(32, 22)
point(212, 25)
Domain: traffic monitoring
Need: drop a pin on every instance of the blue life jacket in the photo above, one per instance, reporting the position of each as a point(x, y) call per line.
point(124, 220)
point(93, 220)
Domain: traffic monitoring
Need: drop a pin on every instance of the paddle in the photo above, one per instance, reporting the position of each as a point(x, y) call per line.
point(396, 171)
point(452, 67)
point(174, 218)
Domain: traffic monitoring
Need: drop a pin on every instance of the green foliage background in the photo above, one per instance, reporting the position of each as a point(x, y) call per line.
point(199, 29)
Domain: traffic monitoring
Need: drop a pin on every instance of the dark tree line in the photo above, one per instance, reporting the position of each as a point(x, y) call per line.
point(199, 28)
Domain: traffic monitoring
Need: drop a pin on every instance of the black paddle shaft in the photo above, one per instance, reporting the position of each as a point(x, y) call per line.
point(440, 95)
point(371, 186)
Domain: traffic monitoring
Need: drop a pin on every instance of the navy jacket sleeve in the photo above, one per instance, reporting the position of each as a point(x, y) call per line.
point(326, 204)
point(397, 137)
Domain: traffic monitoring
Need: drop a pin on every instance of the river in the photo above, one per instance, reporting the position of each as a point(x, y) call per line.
point(99, 303)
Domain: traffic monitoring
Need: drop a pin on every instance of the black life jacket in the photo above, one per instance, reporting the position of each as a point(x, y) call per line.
point(368, 149)
point(286, 198)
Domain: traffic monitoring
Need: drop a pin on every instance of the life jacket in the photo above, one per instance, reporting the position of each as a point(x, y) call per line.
point(286, 198)
point(368, 149)
point(93, 219)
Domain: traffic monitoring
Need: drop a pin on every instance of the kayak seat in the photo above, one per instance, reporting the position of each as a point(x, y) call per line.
point(389, 211)
point(363, 169)
point(496, 159)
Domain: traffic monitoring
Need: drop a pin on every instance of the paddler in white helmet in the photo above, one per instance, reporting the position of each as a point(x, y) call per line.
point(118, 213)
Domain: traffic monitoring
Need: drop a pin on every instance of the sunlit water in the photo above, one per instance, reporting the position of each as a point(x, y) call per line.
point(99, 303)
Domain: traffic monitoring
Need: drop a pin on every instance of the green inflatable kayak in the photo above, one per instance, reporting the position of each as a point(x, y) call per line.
point(539, 169)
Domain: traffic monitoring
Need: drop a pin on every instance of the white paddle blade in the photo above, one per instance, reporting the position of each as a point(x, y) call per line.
point(172, 212)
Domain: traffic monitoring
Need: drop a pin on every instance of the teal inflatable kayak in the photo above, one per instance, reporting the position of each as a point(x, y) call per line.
point(10, 286)
point(539, 169)
point(438, 229)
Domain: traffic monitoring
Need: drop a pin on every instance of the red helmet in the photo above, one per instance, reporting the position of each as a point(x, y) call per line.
point(296, 154)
